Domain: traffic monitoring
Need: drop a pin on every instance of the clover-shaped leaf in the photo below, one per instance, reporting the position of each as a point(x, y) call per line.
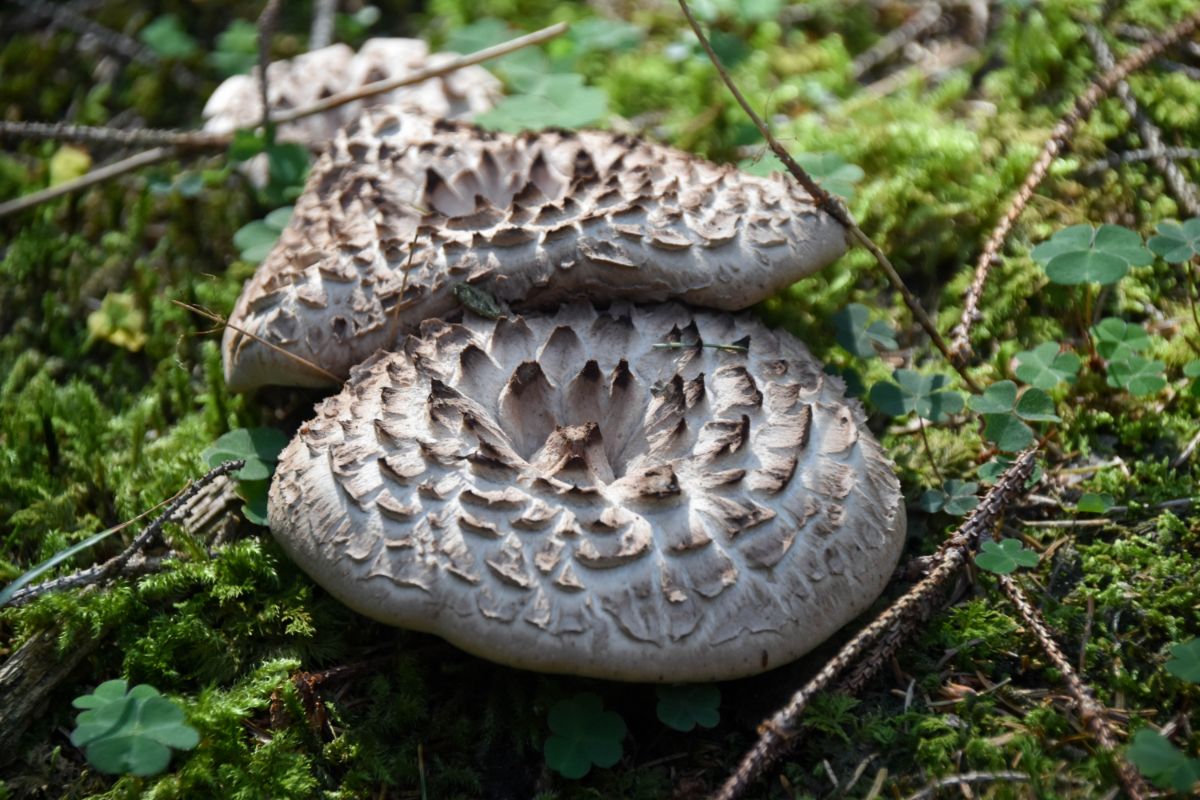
point(1117, 340)
point(830, 170)
point(1185, 661)
point(1083, 254)
point(255, 239)
point(955, 497)
point(583, 734)
point(559, 100)
point(259, 448)
point(1005, 414)
point(1192, 370)
point(1176, 242)
point(859, 335)
point(1044, 367)
point(991, 471)
point(1141, 377)
point(130, 732)
point(685, 706)
point(1005, 556)
point(1092, 503)
point(912, 391)
point(167, 37)
point(1162, 762)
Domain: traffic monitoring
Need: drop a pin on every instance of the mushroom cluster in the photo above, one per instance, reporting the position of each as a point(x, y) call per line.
point(621, 479)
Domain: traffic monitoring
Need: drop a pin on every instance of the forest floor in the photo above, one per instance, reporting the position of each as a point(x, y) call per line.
point(110, 393)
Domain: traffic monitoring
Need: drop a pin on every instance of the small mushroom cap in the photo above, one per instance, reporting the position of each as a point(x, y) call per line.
point(400, 208)
point(312, 76)
point(557, 493)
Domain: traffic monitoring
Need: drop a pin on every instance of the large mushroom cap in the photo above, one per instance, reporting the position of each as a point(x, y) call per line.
point(402, 207)
point(558, 493)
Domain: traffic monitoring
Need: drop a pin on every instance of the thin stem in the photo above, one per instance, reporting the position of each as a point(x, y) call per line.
point(828, 203)
point(92, 178)
point(929, 450)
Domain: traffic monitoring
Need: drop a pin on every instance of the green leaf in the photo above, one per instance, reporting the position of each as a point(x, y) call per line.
point(583, 734)
point(1177, 243)
point(119, 322)
point(912, 391)
point(685, 706)
point(1185, 661)
point(237, 49)
point(1117, 340)
point(1010, 434)
point(167, 38)
point(858, 335)
point(254, 493)
point(1082, 254)
point(557, 100)
point(955, 497)
point(1005, 556)
point(1192, 369)
point(1044, 367)
point(989, 472)
point(246, 145)
point(1035, 405)
point(1162, 762)
point(130, 732)
point(1139, 376)
point(68, 163)
point(830, 170)
point(256, 239)
point(252, 444)
point(999, 398)
point(597, 34)
point(1091, 503)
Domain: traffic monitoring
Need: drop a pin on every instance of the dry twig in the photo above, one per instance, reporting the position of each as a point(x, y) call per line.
point(321, 32)
point(827, 202)
point(117, 564)
point(267, 22)
point(1090, 711)
point(136, 161)
point(925, 18)
point(965, 778)
point(1097, 91)
point(1151, 136)
point(886, 632)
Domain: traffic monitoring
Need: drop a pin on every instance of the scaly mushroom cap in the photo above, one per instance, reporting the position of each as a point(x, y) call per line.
point(556, 493)
point(309, 77)
point(401, 207)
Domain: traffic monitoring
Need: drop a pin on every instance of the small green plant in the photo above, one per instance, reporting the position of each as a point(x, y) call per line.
point(1192, 370)
point(1045, 366)
point(1092, 503)
point(237, 49)
point(1083, 254)
point(119, 322)
point(1005, 414)
point(560, 100)
point(955, 497)
point(260, 448)
point(1163, 763)
point(583, 734)
point(858, 335)
point(1118, 340)
point(167, 37)
point(990, 471)
point(1185, 661)
point(1176, 242)
point(830, 170)
point(1005, 556)
point(130, 731)
point(927, 395)
point(1141, 377)
point(685, 706)
point(287, 164)
point(254, 240)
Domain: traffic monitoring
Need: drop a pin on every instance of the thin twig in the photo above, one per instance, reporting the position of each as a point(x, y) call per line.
point(1182, 458)
point(101, 572)
point(64, 16)
point(1140, 34)
point(827, 202)
point(925, 18)
point(198, 140)
point(776, 735)
point(321, 32)
point(1059, 137)
point(267, 22)
point(965, 778)
point(1151, 136)
point(1114, 160)
point(1091, 712)
point(137, 161)
point(299, 359)
point(537, 37)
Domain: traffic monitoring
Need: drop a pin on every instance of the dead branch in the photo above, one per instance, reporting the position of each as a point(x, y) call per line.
point(1059, 137)
point(267, 22)
point(321, 32)
point(134, 162)
point(1115, 160)
point(827, 202)
point(925, 18)
point(116, 565)
point(1091, 712)
point(777, 734)
point(1151, 136)
point(965, 778)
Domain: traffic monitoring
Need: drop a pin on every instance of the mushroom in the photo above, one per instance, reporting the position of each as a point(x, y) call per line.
point(643, 493)
point(312, 76)
point(401, 208)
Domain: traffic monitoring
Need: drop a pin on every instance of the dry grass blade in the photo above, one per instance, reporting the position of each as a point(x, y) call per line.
point(777, 734)
point(827, 202)
point(1097, 91)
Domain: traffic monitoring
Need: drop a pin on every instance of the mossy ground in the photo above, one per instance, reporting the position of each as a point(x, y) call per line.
point(93, 433)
